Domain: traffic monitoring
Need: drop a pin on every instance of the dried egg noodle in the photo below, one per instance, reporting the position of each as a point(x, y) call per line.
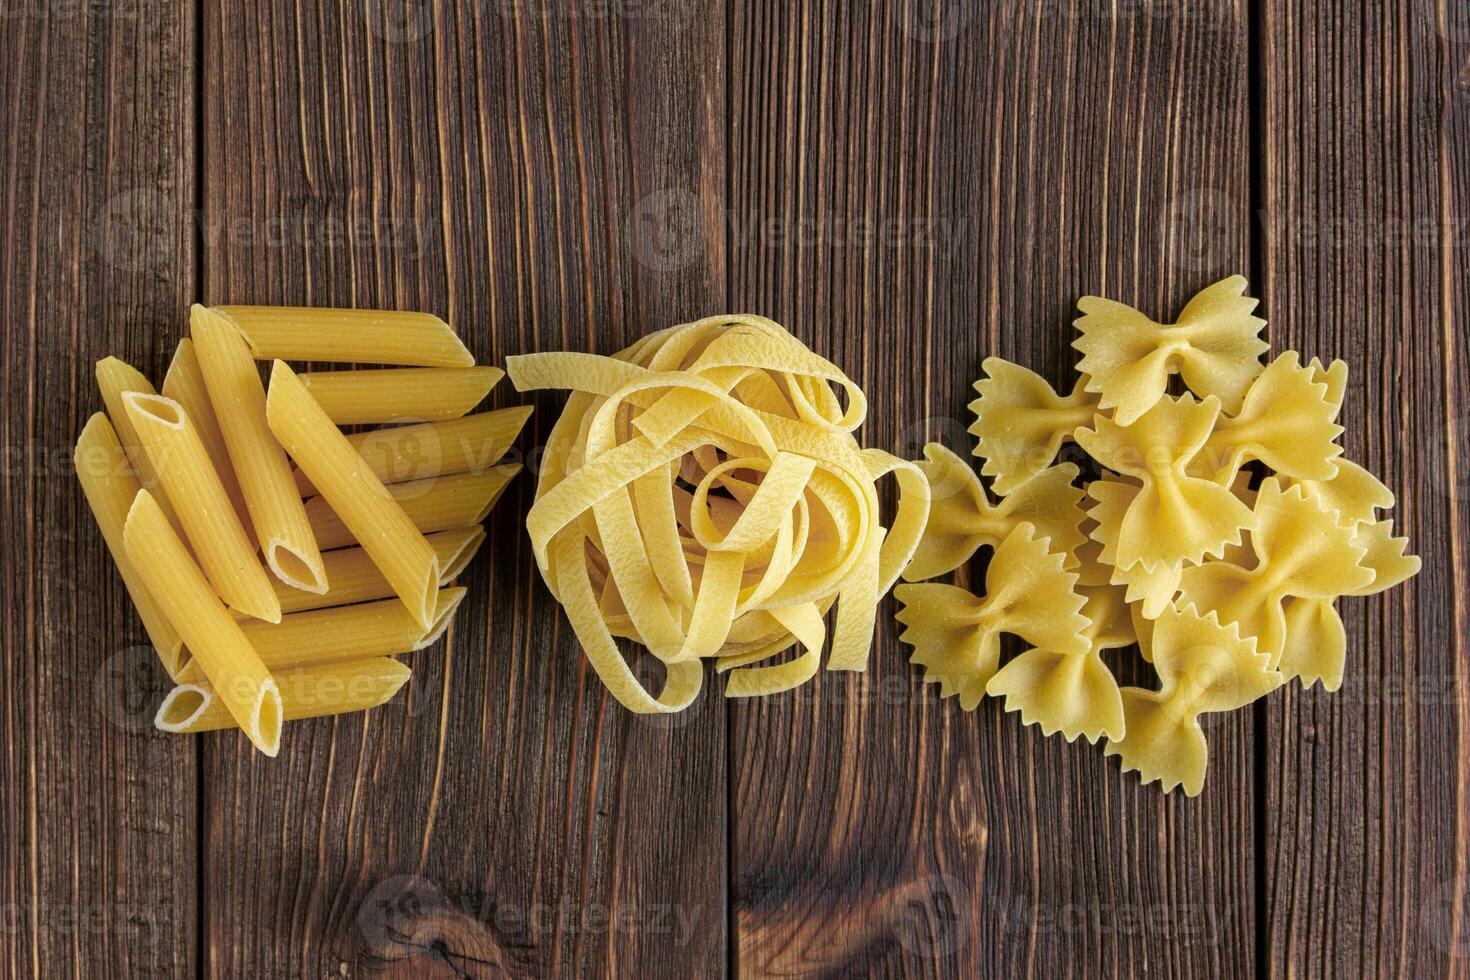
point(703, 494)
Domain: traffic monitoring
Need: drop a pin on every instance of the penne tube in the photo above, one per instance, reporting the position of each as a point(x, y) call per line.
point(291, 333)
point(280, 522)
point(184, 383)
point(399, 394)
point(110, 488)
point(225, 553)
point(374, 517)
point(416, 452)
point(116, 378)
point(355, 578)
point(217, 645)
point(324, 636)
point(306, 692)
point(433, 505)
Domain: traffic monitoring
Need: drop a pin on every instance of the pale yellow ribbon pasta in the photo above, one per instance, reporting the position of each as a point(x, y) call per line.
point(703, 495)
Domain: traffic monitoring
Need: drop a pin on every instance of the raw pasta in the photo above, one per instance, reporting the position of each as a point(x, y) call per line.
point(956, 635)
point(1286, 422)
point(355, 578)
point(294, 333)
point(438, 504)
point(184, 383)
point(306, 692)
point(702, 493)
point(962, 519)
point(1021, 422)
point(374, 517)
point(220, 651)
point(399, 394)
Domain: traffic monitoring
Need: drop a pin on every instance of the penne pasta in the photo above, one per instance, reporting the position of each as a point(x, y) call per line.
point(416, 452)
point(116, 378)
point(216, 643)
point(399, 394)
point(324, 636)
point(110, 488)
point(374, 517)
point(306, 692)
point(432, 505)
point(355, 578)
point(225, 553)
point(184, 383)
point(265, 477)
point(350, 336)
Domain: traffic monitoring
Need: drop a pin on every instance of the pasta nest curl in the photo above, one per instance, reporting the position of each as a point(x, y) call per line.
point(703, 494)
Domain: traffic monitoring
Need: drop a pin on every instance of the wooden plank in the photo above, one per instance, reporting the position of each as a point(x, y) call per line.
point(909, 194)
point(515, 168)
point(98, 851)
point(1364, 190)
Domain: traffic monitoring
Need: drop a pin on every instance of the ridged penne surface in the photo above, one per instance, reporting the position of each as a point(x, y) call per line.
point(260, 463)
point(355, 578)
point(432, 505)
point(351, 336)
point(216, 643)
point(116, 378)
point(306, 692)
point(184, 383)
point(399, 394)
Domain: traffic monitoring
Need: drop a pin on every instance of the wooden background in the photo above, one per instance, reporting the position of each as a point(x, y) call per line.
point(909, 188)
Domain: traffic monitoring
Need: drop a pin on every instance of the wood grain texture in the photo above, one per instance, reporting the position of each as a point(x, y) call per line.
point(527, 171)
point(1364, 210)
point(97, 850)
point(943, 183)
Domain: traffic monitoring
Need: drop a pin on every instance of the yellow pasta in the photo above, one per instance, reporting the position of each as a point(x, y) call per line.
point(403, 453)
point(184, 383)
point(437, 504)
point(306, 692)
point(1203, 667)
point(956, 635)
point(109, 485)
point(355, 578)
point(374, 517)
point(703, 494)
point(1069, 692)
point(399, 394)
point(1152, 588)
point(219, 649)
point(1302, 551)
point(1285, 422)
point(1128, 358)
point(1353, 492)
point(340, 633)
point(115, 379)
point(1021, 422)
point(349, 336)
point(225, 553)
point(259, 462)
point(962, 519)
point(1174, 517)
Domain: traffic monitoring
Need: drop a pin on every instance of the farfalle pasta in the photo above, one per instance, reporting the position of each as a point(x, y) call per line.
point(1222, 530)
point(703, 495)
point(962, 519)
point(1203, 667)
point(956, 635)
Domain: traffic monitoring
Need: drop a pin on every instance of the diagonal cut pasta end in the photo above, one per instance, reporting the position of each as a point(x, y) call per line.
point(266, 720)
point(182, 707)
point(298, 570)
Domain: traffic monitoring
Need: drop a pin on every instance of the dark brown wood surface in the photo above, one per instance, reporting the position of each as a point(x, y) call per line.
point(910, 187)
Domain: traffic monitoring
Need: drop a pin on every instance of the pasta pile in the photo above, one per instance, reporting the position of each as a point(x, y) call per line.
point(272, 594)
point(703, 495)
point(1224, 526)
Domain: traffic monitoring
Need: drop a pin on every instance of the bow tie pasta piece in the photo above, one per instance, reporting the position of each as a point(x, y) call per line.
point(1286, 422)
point(1075, 694)
point(956, 635)
point(1128, 358)
point(1174, 517)
point(1301, 551)
point(1152, 587)
point(1314, 646)
point(702, 494)
point(1021, 422)
point(1334, 376)
point(1203, 667)
point(962, 518)
point(1353, 492)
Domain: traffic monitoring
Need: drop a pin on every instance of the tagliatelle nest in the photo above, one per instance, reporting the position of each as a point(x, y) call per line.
point(704, 495)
